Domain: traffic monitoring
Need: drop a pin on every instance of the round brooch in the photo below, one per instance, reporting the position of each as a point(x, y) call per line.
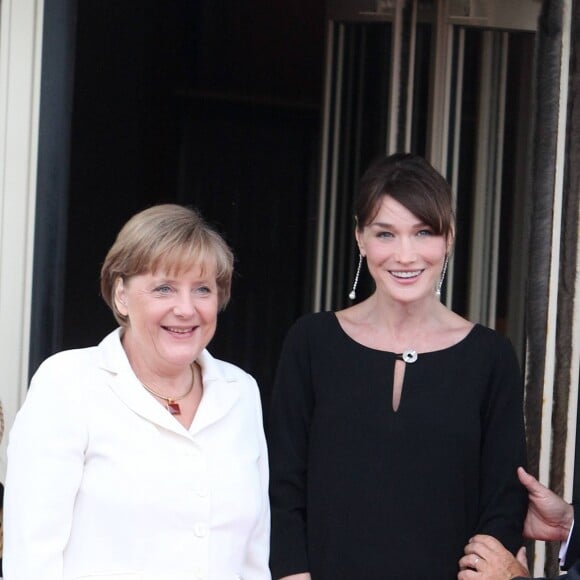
point(410, 355)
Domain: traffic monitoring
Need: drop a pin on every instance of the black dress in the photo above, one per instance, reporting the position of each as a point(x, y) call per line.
point(359, 491)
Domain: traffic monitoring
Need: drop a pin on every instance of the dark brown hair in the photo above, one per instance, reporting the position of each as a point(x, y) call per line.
point(414, 183)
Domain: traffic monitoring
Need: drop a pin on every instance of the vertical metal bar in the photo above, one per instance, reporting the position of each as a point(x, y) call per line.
point(439, 108)
point(333, 192)
point(575, 358)
point(499, 133)
point(456, 140)
point(479, 259)
point(557, 213)
point(395, 78)
point(438, 129)
point(324, 169)
point(411, 78)
point(546, 467)
point(554, 278)
point(543, 260)
point(360, 100)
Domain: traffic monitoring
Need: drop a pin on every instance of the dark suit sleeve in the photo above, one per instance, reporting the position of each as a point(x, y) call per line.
point(573, 574)
point(573, 552)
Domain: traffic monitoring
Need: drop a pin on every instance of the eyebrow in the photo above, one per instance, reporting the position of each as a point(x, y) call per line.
point(387, 225)
point(175, 280)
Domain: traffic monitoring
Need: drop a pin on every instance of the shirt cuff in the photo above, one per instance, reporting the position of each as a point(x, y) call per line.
point(564, 546)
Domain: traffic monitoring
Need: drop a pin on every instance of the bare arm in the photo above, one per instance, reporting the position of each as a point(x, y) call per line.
point(303, 576)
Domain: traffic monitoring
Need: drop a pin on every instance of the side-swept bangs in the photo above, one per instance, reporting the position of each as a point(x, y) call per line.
point(168, 238)
point(415, 184)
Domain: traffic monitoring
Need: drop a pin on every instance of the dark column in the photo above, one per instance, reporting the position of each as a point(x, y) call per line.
point(53, 178)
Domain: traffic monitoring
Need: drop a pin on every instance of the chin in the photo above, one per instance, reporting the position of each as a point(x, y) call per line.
point(410, 296)
point(183, 357)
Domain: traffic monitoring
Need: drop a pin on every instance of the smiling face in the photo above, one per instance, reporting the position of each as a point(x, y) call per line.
point(404, 255)
point(171, 317)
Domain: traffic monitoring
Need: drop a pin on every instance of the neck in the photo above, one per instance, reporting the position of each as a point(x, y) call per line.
point(170, 380)
point(398, 316)
point(398, 327)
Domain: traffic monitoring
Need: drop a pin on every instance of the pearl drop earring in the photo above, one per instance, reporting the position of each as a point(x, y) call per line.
point(442, 277)
point(352, 294)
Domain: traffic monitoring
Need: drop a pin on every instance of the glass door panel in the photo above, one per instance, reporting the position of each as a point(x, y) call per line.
point(455, 87)
point(357, 129)
point(377, 101)
point(488, 156)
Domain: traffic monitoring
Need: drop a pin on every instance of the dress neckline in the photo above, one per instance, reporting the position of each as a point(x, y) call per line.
point(471, 332)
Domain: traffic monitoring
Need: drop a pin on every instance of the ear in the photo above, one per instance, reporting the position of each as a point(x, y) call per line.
point(120, 297)
point(360, 241)
point(450, 241)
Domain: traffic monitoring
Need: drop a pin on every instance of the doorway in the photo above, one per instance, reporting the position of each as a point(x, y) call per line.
point(430, 78)
point(204, 103)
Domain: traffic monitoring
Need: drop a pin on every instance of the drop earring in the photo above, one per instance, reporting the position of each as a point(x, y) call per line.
point(352, 294)
point(442, 277)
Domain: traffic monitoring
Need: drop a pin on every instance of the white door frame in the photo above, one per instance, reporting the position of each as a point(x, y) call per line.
point(20, 68)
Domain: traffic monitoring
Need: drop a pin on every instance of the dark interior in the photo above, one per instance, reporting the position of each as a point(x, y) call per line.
point(211, 103)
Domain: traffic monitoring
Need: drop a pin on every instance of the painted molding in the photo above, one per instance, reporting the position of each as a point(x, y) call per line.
point(20, 68)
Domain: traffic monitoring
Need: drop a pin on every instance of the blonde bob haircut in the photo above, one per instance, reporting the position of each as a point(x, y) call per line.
point(169, 238)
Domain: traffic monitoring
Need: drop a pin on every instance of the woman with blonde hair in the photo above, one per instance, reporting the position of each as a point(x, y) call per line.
point(144, 457)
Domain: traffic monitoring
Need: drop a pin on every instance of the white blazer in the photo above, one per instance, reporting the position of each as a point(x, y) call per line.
point(103, 483)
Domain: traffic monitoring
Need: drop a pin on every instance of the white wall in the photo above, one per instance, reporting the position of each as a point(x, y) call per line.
point(20, 63)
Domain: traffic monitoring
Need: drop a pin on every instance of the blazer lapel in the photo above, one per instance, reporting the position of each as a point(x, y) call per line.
point(127, 387)
point(124, 383)
point(220, 392)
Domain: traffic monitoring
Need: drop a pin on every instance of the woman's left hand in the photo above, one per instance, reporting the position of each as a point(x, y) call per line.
point(486, 559)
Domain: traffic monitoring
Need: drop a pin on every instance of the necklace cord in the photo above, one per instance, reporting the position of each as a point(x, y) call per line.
point(169, 400)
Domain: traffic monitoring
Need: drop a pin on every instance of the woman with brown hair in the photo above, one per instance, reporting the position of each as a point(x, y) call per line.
point(396, 424)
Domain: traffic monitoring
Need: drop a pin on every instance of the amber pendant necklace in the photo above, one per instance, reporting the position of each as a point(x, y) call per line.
point(171, 403)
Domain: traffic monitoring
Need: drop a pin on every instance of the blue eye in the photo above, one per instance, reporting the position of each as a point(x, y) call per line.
point(204, 290)
point(425, 232)
point(164, 289)
point(384, 235)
